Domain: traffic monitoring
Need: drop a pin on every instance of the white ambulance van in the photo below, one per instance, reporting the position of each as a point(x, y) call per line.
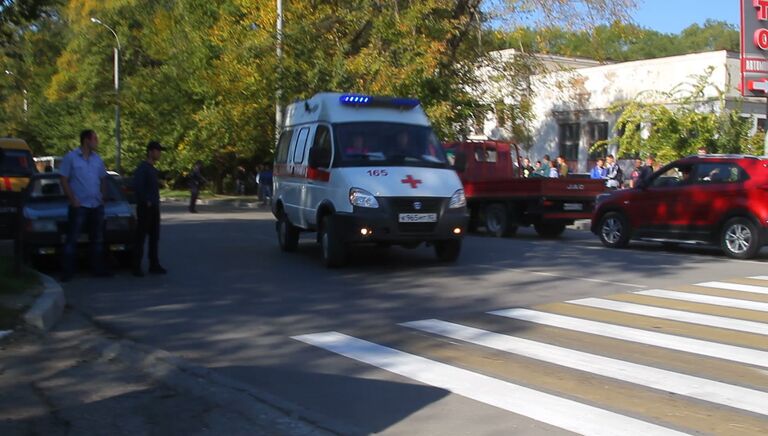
point(362, 169)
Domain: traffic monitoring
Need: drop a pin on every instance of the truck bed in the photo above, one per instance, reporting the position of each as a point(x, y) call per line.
point(538, 187)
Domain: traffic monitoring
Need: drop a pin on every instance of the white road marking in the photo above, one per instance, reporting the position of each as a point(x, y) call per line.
point(706, 299)
point(4, 333)
point(668, 381)
point(676, 315)
point(570, 277)
point(734, 287)
point(758, 278)
point(663, 340)
point(559, 412)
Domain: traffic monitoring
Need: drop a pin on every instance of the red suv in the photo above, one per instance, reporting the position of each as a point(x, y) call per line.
point(712, 199)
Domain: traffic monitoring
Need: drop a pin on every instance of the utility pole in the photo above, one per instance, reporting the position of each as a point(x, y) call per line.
point(118, 147)
point(278, 92)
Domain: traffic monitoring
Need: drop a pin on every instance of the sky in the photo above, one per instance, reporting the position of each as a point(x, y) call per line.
point(672, 16)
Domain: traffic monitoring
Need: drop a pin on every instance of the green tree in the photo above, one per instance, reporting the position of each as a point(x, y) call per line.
point(677, 123)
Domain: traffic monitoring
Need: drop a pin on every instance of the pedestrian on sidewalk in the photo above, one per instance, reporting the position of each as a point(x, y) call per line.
point(562, 167)
point(83, 178)
point(546, 165)
point(241, 177)
point(614, 176)
point(265, 183)
point(147, 187)
point(599, 171)
point(634, 177)
point(196, 182)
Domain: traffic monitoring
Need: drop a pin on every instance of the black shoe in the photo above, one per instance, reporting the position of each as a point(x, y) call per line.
point(157, 269)
point(137, 272)
point(193, 211)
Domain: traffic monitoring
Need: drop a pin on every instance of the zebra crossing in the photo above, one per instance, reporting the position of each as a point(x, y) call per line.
point(688, 360)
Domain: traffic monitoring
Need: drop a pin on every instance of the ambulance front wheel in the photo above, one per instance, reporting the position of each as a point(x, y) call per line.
point(332, 248)
point(449, 250)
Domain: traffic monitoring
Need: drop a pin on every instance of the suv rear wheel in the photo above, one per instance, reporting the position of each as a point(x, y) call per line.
point(739, 238)
point(333, 249)
point(614, 230)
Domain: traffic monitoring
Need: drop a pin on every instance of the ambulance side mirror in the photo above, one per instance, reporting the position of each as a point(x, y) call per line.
point(460, 162)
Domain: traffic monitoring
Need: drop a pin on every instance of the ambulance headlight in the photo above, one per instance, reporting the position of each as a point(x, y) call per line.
point(458, 200)
point(362, 198)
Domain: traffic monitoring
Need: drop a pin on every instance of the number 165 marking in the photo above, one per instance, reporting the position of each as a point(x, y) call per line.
point(378, 173)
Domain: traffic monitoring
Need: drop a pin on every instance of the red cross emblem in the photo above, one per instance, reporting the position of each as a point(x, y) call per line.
point(411, 181)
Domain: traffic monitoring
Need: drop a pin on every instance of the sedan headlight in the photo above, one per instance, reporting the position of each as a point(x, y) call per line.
point(42, 226)
point(458, 200)
point(362, 198)
point(118, 224)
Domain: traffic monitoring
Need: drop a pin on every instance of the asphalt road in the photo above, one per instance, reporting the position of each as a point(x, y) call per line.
point(234, 302)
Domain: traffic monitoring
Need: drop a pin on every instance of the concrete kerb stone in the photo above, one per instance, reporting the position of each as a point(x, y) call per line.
point(48, 307)
point(260, 407)
point(231, 203)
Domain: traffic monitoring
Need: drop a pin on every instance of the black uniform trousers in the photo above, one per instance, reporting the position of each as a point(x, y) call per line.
point(147, 224)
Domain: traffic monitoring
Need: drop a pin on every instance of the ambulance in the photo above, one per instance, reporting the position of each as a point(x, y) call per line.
point(361, 169)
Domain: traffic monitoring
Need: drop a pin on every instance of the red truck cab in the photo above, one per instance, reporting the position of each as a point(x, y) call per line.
point(501, 200)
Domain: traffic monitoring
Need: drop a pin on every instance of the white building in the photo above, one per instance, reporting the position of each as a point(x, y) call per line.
point(572, 97)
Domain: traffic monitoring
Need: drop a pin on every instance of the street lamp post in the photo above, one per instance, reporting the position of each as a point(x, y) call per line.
point(23, 91)
point(279, 49)
point(118, 149)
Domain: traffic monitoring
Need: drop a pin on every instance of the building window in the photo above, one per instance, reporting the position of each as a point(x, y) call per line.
point(598, 131)
point(570, 136)
point(761, 124)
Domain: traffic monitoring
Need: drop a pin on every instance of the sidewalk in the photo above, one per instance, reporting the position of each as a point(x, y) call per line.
point(69, 383)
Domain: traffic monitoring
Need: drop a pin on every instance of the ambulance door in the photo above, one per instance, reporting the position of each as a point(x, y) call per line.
point(318, 172)
point(295, 177)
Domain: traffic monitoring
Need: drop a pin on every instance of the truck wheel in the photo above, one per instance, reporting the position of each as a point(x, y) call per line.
point(614, 230)
point(449, 250)
point(287, 234)
point(497, 221)
point(332, 248)
point(549, 230)
point(739, 239)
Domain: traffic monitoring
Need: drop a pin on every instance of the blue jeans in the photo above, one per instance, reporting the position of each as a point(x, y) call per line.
point(80, 217)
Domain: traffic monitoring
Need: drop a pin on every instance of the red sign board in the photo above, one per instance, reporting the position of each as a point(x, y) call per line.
point(754, 48)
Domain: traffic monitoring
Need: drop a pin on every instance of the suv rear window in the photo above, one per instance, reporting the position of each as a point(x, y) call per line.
point(718, 172)
point(15, 162)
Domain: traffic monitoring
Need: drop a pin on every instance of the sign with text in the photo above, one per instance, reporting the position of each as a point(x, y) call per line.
point(754, 48)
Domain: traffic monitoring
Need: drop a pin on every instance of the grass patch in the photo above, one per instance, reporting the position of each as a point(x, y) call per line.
point(11, 283)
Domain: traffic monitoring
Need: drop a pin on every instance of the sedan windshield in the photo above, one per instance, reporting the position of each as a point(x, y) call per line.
point(387, 144)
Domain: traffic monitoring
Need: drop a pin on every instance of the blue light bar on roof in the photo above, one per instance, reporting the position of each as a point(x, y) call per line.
point(368, 100)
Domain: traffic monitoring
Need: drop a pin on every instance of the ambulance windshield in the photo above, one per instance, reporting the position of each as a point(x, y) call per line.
point(387, 144)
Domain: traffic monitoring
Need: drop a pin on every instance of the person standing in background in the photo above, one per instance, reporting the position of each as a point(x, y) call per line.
point(598, 172)
point(147, 186)
point(196, 182)
point(83, 178)
point(546, 165)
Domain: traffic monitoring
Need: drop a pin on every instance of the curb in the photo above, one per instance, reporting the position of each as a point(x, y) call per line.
point(48, 307)
point(232, 203)
point(279, 416)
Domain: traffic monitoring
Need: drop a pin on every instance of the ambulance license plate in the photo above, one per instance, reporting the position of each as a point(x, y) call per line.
point(573, 206)
point(418, 218)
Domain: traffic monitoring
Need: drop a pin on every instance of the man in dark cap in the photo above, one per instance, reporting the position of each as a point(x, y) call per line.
point(147, 187)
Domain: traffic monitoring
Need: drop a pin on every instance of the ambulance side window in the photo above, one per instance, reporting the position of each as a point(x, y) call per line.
point(322, 145)
point(281, 156)
point(301, 145)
